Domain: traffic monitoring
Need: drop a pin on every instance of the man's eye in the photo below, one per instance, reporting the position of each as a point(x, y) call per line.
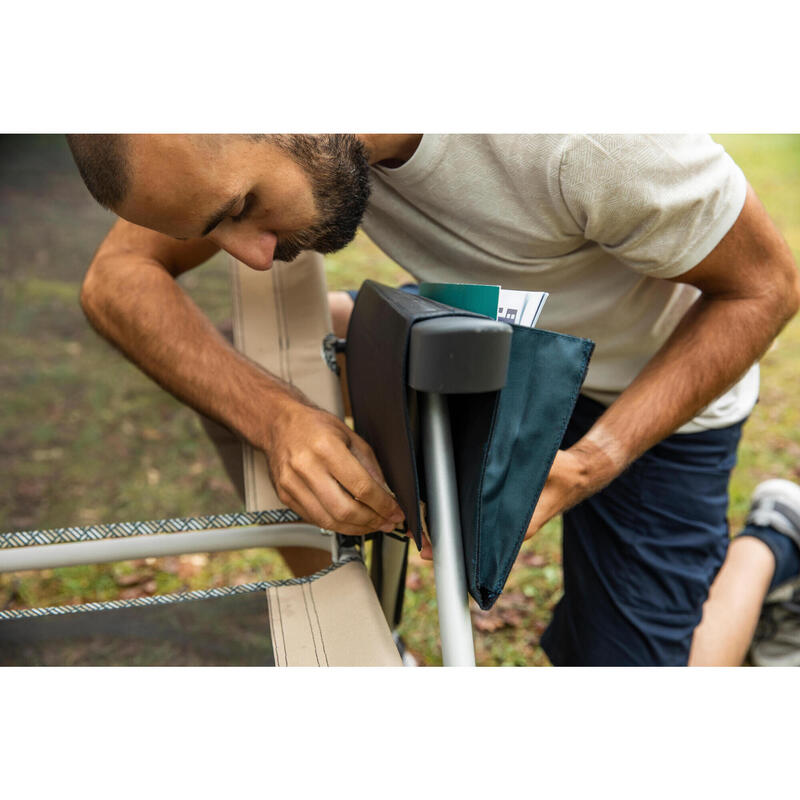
point(245, 208)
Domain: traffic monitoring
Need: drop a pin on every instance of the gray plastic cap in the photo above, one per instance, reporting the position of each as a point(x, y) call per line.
point(459, 355)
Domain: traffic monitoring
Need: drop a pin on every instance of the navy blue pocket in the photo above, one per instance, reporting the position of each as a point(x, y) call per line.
point(505, 443)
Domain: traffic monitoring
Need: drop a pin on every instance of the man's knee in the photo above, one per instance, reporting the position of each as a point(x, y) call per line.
point(341, 306)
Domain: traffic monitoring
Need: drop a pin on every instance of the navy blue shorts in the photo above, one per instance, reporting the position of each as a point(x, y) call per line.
point(639, 557)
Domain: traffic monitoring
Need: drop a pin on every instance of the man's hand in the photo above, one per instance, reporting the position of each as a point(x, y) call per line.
point(576, 474)
point(328, 474)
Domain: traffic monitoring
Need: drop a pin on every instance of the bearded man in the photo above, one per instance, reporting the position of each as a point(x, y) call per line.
point(654, 247)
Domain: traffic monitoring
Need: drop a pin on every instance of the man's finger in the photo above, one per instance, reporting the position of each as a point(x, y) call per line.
point(348, 470)
point(365, 455)
point(308, 506)
point(426, 553)
point(342, 507)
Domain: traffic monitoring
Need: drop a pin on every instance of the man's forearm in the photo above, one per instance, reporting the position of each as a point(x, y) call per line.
point(750, 289)
point(711, 348)
point(138, 306)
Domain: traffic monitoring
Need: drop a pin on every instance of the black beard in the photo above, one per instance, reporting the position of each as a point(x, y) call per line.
point(338, 169)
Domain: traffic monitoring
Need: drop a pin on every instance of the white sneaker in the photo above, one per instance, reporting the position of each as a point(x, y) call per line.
point(776, 504)
point(776, 642)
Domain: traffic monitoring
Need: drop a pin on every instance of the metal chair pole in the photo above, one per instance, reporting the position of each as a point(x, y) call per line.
point(455, 624)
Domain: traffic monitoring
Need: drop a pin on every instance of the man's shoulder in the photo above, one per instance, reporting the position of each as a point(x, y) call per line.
point(526, 165)
point(522, 150)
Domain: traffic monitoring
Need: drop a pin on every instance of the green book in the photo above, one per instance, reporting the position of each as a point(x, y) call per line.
point(476, 297)
point(507, 305)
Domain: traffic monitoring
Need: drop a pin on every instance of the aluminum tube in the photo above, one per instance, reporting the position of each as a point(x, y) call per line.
point(49, 556)
point(455, 625)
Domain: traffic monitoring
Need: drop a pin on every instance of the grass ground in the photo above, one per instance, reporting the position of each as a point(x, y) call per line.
point(85, 437)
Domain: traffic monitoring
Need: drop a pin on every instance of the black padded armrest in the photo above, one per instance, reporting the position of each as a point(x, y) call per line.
point(458, 355)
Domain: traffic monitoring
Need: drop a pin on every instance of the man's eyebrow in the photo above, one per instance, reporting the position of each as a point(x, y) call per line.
point(220, 215)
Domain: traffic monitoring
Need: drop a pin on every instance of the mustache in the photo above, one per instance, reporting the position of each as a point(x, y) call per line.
point(291, 245)
point(323, 238)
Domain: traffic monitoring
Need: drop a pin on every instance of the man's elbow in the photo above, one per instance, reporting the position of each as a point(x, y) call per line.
point(88, 289)
point(91, 295)
point(793, 302)
point(787, 293)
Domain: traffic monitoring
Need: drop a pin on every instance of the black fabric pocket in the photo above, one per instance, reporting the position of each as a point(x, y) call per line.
point(377, 376)
point(504, 442)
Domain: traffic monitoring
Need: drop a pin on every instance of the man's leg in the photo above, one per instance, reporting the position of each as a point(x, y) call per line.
point(304, 561)
point(341, 305)
point(765, 555)
point(730, 614)
point(640, 556)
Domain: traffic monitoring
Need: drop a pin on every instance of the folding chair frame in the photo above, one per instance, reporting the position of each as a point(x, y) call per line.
point(79, 546)
point(95, 547)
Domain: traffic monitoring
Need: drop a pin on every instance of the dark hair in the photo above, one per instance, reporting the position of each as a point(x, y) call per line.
point(102, 160)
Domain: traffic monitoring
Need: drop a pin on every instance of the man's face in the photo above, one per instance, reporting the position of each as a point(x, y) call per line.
point(258, 198)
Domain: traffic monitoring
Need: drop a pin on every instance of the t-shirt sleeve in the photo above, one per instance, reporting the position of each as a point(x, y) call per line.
point(658, 204)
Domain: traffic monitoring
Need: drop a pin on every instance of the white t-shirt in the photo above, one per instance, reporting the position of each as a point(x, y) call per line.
point(597, 221)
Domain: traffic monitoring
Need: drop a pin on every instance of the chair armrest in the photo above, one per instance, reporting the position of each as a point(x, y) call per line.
point(458, 355)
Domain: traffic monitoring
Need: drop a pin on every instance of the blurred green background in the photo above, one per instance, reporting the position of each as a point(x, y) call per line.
point(86, 438)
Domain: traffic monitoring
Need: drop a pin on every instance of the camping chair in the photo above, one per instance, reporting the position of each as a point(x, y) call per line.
point(333, 617)
point(336, 617)
point(418, 371)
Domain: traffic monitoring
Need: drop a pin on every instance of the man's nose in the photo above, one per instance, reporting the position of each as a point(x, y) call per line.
point(256, 250)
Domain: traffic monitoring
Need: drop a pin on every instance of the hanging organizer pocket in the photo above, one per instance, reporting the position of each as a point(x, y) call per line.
point(504, 445)
point(504, 442)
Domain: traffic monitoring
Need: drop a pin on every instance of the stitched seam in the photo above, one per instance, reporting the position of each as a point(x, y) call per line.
point(273, 627)
point(283, 634)
point(310, 625)
point(283, 334)
point(479, 531)
point(321, 636)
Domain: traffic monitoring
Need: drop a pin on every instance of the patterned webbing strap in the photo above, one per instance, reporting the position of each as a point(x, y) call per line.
point(166, 599)
point(120, 530)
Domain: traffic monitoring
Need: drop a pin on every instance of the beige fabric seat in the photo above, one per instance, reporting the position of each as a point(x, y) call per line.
point(333, 621)
point(280, 319)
